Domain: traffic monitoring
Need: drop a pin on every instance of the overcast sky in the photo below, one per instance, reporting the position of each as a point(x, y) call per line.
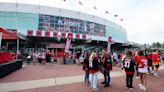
point(143, 19)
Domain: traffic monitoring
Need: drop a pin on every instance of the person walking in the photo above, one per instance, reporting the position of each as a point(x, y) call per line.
point(142, 69)
point(156, 62)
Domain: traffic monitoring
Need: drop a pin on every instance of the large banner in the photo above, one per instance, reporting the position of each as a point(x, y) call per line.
point(68, 42)
point(0, 38)
point(51, 23)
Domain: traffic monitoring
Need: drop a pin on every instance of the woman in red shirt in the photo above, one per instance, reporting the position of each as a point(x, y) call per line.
point(156, 62)
point(142, 69)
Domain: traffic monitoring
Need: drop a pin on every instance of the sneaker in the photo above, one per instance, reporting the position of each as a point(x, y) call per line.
point(131, 88)
point(156, 75)
point(86, 84)
point(106, 86)
point(137, 77)
point(140, 85)
point(147, 73)
point(102, 82)
point(143, 88)
point(95, 89)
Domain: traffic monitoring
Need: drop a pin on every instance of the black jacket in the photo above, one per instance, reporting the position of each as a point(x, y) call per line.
point(108, 64)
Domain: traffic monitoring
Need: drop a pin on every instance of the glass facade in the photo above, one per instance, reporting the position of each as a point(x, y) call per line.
point(25, 21)
point(47, 22)
point(20, 21)
point(117, 32)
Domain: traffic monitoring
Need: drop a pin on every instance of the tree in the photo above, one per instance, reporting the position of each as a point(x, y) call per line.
point(158, 45)
point(163, 45)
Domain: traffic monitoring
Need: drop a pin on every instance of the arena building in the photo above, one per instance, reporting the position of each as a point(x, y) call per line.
point(48, 27)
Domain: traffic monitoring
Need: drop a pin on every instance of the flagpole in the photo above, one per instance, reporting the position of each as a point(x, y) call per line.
point(39, 8)
point(60, 6)
point(17, 49)
point(80, 4)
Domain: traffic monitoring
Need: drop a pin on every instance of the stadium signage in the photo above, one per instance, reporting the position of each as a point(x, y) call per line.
point(70, 23)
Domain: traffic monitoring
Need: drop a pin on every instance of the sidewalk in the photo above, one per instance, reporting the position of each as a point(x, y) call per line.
point(51, 84)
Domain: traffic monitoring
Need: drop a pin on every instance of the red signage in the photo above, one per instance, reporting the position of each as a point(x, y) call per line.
point(47, 34)
point(38, 33)
point(52, 45)
point(55, 34)
point(77, 36)
point(70, 35)
point(29, 32)
point(63, 35)
point(83, 36)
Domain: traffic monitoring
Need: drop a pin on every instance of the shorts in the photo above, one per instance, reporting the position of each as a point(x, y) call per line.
point(142, 70)
point(157, 66)
point(150, 62)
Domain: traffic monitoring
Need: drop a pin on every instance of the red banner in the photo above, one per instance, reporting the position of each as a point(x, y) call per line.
point(63, 35)
point(83, 36)
point(70, 35)
point(77, 36)
point(29, 32)
point(47, 34)
point(55, 34)
point(68, 42)
point(38, 33)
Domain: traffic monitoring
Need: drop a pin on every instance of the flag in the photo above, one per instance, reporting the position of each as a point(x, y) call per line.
point(68, 42)
point(106, 12)
point(80, 3)
point(116, 15)
point(121, 20)
point(95, 7)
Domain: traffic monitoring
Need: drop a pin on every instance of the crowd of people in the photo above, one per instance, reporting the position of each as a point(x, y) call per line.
point(138, 63)
point(42, 57)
